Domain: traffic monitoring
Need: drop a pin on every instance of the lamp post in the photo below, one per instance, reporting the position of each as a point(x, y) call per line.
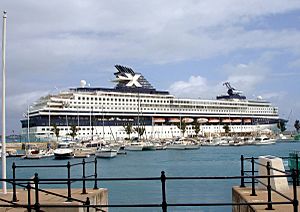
point(3, 153)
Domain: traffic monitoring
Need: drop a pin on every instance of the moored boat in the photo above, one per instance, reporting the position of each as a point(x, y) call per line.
point(64, 151)
point(105, 152)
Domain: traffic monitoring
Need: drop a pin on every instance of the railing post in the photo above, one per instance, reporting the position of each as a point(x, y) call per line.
point(242, 172)
point(95, 173)
point(297, 168)
point(87, 202)
point(28, 197)
point(269, 187)
point(69, 182)
point(295, 199)
point(252, 178)
point(163, 189)
point(36, 187)
point(14, 198)
point(83, 177)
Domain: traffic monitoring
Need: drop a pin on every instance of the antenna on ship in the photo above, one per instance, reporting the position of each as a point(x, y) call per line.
point(3, 153)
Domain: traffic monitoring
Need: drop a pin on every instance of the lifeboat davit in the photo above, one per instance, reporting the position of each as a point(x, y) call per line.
point(202, 120)
point(187, 120)
point(213, 120)
point(159, 120)
point(174, 120)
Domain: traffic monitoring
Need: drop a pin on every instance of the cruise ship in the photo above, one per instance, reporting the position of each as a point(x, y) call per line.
point(105, 112)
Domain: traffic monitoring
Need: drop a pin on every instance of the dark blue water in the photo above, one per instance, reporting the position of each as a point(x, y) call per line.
point(207, 161)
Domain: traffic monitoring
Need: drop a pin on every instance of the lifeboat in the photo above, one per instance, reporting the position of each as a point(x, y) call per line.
point(187, 120)
point(226, 120)
point(213, 120)
point(247, 121)
point(174, 120)
point(202, 120)
point(159, 120)
point(236, 120)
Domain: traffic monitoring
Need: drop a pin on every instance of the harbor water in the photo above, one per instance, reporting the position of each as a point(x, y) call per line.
point(206, 161)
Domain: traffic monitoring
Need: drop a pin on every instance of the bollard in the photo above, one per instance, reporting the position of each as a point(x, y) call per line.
point(295, 200)
point(253, 178)
point(269, 187)
point(36, 187)
point(242, 172)
point(87, 202)
point(163, 189)
point(28, 197)
point(14, 199)
point(95, 173)
point(83, 177)
point(69, 182)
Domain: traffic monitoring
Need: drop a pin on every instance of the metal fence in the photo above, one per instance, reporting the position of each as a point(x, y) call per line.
point(162, 179)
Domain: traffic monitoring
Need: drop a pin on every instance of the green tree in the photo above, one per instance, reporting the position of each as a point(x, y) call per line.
point(128, 129)
point(281, 126)
point(196, 127)
point(140, 130)
point(55, 129)
point(226, 128)
point(297, 125)
point(74, 131)
point(182, 127)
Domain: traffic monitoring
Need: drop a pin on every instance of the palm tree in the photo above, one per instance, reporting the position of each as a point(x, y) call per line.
point(182, 127)
point(55, 130)
point(73, 132)
point(140, 130)
point(128, 129)
point(196, 127)
point(281, 126)
point(226, 128)
point(297, 125)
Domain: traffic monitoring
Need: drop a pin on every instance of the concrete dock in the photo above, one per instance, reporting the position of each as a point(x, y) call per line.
point(97, 197)
point(243, 195)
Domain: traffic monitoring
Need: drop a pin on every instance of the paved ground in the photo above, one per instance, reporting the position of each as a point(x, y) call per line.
point(98, 196)
point(262, 196)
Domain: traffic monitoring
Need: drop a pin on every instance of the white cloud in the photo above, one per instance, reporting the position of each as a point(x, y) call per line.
point(194, 87)
point(46, 41)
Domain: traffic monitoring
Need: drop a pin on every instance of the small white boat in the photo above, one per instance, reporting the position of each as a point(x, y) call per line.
point(177, 145)
point(264, 140)
point(106, 153)
point(134, 146)
point(64, 151)
point(148, 146)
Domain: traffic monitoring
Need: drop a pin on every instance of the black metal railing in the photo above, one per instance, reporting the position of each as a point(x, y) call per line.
point(293, 173)
point(68, 166)
point(163, 179)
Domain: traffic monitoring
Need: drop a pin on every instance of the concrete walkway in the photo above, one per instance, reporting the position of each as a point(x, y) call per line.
point(99, 197)
point(242, 195)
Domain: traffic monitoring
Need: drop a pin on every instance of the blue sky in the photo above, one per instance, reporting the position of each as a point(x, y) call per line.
point(187, 47)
